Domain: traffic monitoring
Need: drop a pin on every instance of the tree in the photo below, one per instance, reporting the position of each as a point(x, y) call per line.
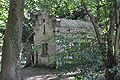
point(12, 40)
point(109, 17)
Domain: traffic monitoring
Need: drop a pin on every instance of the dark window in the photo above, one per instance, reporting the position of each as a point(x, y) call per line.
point(44, 30)
point(43, 20)
point(45, 49)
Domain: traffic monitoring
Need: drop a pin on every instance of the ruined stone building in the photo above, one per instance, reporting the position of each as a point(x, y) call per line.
point(45, 27)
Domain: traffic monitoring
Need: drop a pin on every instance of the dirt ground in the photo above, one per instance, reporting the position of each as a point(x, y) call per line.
point(43, 74)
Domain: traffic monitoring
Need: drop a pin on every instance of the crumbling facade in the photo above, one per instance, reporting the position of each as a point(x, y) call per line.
point(45, 27)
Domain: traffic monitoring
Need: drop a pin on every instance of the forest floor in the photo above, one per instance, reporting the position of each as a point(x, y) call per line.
point(46, 74)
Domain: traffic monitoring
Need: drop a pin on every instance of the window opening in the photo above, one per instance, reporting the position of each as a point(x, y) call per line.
point(45, 49)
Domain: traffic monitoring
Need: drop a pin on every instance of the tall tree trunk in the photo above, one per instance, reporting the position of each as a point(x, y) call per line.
point(111, 61)
point(117, 20)
point(12, 40)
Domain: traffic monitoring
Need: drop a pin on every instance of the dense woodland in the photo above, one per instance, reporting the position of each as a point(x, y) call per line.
point(98, 58)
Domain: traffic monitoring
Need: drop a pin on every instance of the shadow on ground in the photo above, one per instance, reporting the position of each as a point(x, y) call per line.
point(45, 74)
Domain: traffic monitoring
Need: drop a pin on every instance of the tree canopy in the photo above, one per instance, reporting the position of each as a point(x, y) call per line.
point(97, 56)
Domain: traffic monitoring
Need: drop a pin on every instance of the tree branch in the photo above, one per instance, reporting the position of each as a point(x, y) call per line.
point(94, 24)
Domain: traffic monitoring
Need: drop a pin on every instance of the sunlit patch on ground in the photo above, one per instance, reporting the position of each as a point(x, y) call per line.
point(49, 77)
point(47, 74)
point(43, 77)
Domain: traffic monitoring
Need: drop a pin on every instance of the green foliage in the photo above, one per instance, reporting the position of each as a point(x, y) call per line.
point(82, 52)
point(4, 6)
point(60, 8)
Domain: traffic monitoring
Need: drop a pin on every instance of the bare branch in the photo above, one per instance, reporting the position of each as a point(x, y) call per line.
point(94, 24)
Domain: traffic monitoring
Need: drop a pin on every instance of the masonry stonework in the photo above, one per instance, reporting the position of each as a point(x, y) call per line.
point(45, 27)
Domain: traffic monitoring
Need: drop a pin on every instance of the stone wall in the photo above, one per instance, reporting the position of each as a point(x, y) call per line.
point(44, 29)
point(46, 26)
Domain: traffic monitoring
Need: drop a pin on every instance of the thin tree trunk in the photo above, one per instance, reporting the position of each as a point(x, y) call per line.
point(110, 61)
point(117, 18)
point(12, 40)
point(28, 54)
